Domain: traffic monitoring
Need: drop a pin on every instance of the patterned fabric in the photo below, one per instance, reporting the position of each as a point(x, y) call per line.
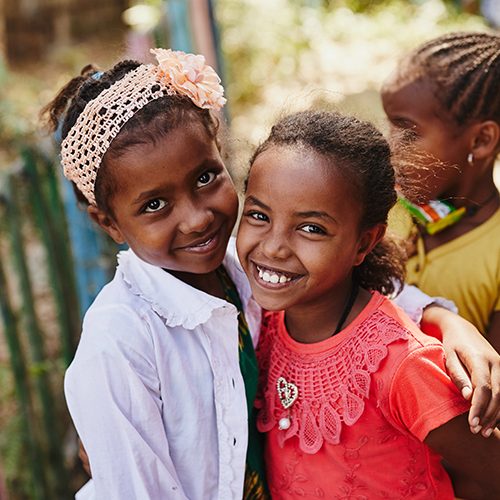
point(366, 399)
point(255, 487)
point(332, 393)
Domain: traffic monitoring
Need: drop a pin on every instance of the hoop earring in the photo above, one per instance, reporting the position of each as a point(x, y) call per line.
point(470, 159)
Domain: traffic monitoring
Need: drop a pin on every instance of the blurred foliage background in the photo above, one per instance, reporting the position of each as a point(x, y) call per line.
point(275, 56)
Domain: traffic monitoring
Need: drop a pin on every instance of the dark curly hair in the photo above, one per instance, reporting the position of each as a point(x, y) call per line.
point(463, 69)
point(151, 123)
point(360, 152)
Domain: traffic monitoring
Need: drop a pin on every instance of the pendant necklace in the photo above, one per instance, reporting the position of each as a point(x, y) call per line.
point(288, 392)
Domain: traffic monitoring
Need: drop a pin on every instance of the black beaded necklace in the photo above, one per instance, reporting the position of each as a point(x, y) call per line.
point(348, 307)
point(474, 209)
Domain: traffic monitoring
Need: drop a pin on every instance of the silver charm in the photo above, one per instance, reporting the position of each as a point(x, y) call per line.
point(287, 392)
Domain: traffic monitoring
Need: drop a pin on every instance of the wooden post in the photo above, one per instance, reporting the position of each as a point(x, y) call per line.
point(3, 41)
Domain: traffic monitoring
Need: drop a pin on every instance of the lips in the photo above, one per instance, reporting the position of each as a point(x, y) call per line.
point(204, 244)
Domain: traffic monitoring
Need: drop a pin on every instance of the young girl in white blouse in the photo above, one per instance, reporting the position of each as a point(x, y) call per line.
point(162, 386)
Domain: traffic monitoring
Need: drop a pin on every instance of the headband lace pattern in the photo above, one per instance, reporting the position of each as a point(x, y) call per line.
point(102, 118)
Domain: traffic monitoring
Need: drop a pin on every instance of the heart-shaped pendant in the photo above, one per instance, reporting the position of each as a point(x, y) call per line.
point(287, 392)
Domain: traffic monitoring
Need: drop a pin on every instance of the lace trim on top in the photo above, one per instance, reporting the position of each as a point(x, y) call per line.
point(332, 385)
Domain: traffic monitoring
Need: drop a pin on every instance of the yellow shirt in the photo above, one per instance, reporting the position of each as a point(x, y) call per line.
point(465, 270)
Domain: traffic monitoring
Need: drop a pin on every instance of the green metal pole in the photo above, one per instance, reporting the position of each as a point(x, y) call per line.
point(54, 466)
point(59, 223)
point(49, 239)
point(38, 482)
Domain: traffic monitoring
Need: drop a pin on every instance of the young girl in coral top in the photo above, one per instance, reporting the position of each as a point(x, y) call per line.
point(354, 398)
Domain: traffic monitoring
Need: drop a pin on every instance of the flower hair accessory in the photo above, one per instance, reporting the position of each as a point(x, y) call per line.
point(189, 75)
point(176, 73)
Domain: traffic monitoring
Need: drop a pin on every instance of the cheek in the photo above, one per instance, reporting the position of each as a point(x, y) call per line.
point(247, 241)
point(156, 236)
point(242, 241)
point(227, 201)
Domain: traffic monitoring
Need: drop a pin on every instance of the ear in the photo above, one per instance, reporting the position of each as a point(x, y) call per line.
point(485, 139)
point(367, 241)
point(106, 222)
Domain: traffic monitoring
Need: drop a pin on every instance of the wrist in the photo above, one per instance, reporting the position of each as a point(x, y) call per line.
point(435, 319)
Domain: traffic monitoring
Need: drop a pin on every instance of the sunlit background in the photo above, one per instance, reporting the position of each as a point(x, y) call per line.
point(274, 56)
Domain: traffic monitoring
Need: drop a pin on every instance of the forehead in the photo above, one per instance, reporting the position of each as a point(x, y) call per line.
point(167, 163)
point(183, 144)
point(299, 178)
point(416, 97)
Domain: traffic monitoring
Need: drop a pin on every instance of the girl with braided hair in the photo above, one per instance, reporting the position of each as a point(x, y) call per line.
point(443, 104)
point(354, 399)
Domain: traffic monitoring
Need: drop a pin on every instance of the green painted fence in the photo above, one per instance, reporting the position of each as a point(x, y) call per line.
point(40, 322)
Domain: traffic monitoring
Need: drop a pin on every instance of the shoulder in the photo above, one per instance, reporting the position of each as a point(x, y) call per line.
point(416, 337)
point(414, 381)
point(411, 345)
point(120, 323)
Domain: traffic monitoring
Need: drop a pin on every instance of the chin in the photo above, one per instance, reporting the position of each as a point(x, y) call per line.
point(270, 303)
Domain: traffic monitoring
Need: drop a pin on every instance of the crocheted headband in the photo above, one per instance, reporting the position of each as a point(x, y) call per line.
point(102, 118)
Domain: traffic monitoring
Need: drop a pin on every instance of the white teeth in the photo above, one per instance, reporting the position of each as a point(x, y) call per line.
point(204, 243)
point(271, 277)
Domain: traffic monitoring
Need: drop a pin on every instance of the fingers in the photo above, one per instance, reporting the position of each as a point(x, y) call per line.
point(491, 414)
point(479, 406)
point(459, 374)
point(484, 388)
point(82, 455)
point(484, 414)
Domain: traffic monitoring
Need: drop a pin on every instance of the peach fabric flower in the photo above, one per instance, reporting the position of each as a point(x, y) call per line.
point(189, 75)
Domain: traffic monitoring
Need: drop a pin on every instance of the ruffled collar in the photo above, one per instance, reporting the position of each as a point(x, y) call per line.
point(177, 302)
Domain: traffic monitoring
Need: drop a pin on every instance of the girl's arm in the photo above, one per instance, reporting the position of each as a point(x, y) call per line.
point(469, 455)
point(468, 352)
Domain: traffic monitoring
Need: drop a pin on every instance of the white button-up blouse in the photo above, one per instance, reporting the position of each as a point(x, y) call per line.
point(155, 389)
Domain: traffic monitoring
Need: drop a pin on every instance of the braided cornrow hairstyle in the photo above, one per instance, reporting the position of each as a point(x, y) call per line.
point(151, 123)
point(464, 69)
point(362, 155)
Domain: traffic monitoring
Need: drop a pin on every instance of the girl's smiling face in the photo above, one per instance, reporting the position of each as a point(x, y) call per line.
point(173, 201)
point(299, 236)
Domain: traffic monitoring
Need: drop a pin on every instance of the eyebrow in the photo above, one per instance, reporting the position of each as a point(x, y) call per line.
point(256, 201)
point(317, 214)
point(146, 195)
point(304, 215)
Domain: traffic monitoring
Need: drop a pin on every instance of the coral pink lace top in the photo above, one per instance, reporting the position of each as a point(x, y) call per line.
point(365, 400)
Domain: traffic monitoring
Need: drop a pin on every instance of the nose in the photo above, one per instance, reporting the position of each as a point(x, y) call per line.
point(275, 244)
point(195, 218)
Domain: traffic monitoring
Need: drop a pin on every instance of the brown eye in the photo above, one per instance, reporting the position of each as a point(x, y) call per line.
point(205, 178)
point(312, 229)
point(155, 205)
